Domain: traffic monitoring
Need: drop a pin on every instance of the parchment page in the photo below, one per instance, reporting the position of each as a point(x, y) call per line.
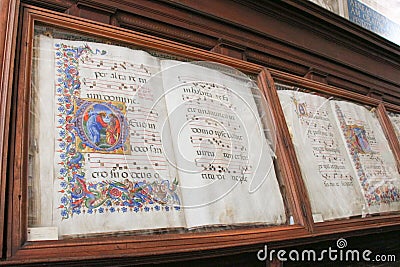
point(371, 156)
point(42, 143)
point(326, 169)
point(225, 165)
point(101, 153)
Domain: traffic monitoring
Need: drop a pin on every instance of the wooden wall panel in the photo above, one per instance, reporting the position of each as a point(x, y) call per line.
point(292, 36)
point(8, 30)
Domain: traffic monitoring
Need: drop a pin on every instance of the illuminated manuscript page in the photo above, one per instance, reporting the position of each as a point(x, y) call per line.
point(106, 158)
point(224, 163)
point(327, 171)
point(372, 158)
point(101, 161)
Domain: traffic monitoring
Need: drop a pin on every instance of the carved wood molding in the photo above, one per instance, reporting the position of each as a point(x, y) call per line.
point(8, 28)
point(230, 49)
point(284, 31)
point(317, 75)
point(276, 62)
point(56, 5)
point(271, 53)
point(161, 29)
point(336, 46)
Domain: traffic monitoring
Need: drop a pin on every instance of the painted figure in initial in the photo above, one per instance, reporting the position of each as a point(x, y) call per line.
point(101, 127)
point(113, 130)
point(358, 139)
point(94, 124)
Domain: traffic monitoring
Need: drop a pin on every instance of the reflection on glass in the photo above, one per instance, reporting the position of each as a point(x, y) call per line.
point(346, 161)
point(125, 141)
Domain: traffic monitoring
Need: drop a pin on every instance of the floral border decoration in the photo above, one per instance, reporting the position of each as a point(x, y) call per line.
point(374, 195)
point(78, 196)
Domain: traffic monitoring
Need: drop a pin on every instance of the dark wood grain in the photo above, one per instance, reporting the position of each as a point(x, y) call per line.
point(336, 58)
point(8, 28)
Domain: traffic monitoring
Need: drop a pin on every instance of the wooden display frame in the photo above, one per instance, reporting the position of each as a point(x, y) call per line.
point(168, 247)
point(352, 224)
point(18, 249)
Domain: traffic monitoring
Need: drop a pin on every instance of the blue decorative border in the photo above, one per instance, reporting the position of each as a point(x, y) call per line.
point(374, 195)
point(79, 196)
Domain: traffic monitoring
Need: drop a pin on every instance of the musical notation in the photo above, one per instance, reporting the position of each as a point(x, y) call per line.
point(202, 142)
point(114, 64)
point(224, 167)
point(216, 122)
point(115, 88)
point(127, 162)
point(325, 144)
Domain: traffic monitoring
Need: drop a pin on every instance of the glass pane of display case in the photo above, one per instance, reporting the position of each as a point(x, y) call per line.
point(346, 161)
point(128, 139)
